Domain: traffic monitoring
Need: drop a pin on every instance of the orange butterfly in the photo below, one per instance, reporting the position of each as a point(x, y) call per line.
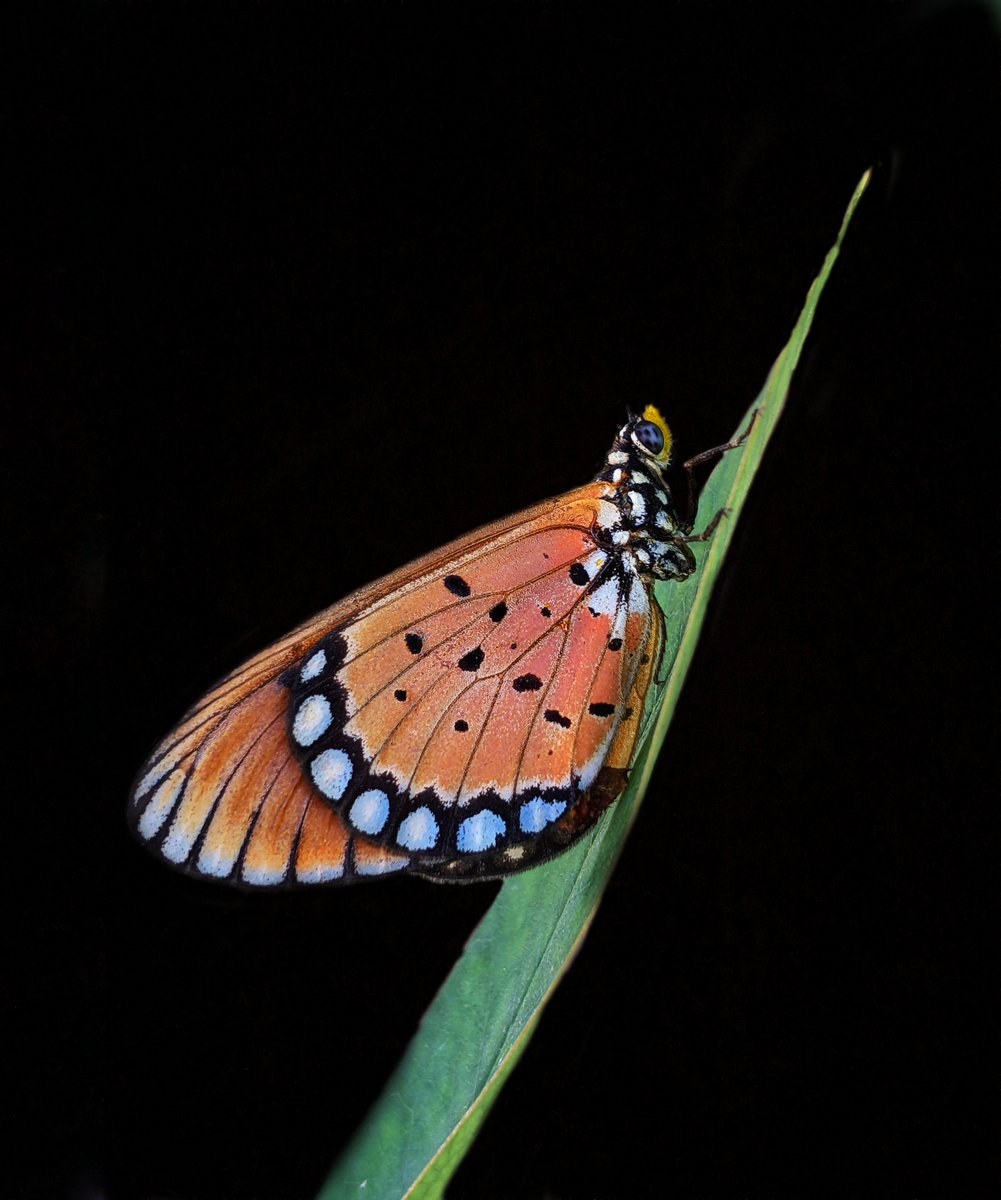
point(468, 716)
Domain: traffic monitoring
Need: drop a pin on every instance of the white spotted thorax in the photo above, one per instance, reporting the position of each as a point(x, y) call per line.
point(647, 534)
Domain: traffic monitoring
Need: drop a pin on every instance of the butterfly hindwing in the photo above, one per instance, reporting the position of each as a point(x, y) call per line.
point(377, 736)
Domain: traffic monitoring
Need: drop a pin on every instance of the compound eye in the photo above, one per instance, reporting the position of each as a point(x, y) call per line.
point(649, 436)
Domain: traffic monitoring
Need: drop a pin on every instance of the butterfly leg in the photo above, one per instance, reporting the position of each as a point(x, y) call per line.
point(693, 490)
point(709, 530)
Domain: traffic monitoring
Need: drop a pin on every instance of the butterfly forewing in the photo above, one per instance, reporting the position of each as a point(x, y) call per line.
point(468, 716)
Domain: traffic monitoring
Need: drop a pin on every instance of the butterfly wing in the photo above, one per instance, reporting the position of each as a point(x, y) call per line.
point(469, 715)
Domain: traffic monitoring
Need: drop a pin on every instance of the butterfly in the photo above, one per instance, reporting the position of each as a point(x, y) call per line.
point(468, 716)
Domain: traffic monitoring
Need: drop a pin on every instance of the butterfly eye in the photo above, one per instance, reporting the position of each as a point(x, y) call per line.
point(649, 436)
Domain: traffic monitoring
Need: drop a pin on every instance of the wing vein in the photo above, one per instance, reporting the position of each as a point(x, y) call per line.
point(255, 818)
point(217, 800)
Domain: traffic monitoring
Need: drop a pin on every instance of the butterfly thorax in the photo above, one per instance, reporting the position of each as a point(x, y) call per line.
point(648, 529)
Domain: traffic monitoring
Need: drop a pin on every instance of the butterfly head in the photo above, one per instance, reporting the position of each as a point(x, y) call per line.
point(651, 436)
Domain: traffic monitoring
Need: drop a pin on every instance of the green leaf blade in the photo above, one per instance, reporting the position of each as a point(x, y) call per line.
point(473, 1034)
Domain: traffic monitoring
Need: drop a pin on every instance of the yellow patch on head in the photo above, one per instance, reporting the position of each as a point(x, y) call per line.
point(652, 414)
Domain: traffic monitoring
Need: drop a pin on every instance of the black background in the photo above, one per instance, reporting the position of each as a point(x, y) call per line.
point(292, 295)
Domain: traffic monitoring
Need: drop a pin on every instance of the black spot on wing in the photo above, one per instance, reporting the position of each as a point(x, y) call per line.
point(400, 694)
point(457, 585)
point(554, 716)
point(472, 660)
point(461, 726)
point(601, 710)
point(498, 612)
point(415, 643)
point(578, 574)
point(527, 683)
point(615, 643)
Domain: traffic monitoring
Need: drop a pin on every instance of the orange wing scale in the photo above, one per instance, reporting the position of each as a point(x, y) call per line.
point(281, 835)
point(649, 654)
point(442, 762)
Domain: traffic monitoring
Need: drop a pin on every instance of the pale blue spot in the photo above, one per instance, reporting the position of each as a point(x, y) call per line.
point(312, 720)
point(331, 773)
point(538, 813)
point(314, 666)
point(480, 832)
point(370, 811)
point(419, 831)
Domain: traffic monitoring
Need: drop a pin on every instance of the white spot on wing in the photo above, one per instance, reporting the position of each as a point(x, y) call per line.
point(608, 515)
point(605, 599)
point(537, 813)
point(480, 832)
point(639, 601)
point(159, 805)
point(594, 562)
point(320, 874)
point(618, 457)
point(312, 720)
point(218, 862)
point(331, 772)
point(419, 831)
point(262, 876)
point(382, 866)
point(370, 811)
point(154, 775)
point(178, 842)
point(314, 666)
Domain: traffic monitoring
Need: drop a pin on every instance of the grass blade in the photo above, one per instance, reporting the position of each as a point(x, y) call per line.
point(484, 1015)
